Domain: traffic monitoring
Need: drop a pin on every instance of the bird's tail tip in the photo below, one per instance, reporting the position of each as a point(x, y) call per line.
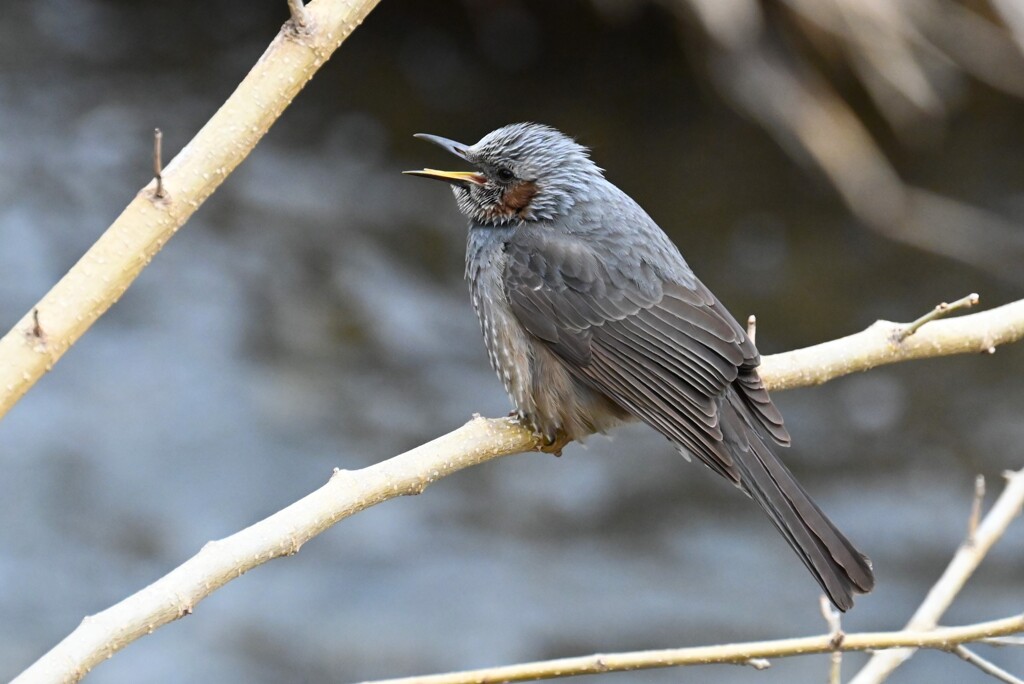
point(837, 565)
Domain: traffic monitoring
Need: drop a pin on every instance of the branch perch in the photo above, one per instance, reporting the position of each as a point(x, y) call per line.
point(177, 593)
point(105, 271)
point(946, 639)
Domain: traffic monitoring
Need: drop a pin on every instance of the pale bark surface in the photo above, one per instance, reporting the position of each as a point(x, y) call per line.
point(102, 275)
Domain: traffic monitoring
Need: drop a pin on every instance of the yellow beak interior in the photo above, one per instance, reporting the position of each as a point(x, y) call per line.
point(450, 176)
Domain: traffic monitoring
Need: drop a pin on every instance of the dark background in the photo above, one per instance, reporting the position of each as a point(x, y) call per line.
point(313, 315)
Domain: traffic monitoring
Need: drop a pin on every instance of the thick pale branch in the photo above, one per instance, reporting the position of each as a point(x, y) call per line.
point(880, 345)
point(945, 639)
point(964, 563)
point(103, 274)
point(177, 593)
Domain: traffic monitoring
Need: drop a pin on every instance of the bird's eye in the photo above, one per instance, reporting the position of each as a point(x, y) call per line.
point(505, 174)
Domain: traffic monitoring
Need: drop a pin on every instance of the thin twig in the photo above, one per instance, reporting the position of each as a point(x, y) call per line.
point(1004, 641)
point(943, 309)
point(158, 162)
point(944, 639)
point(299, 15)
point(979, 497)
point(986, 666)
point(965, 561)
point(752, 327)
point(835, 629)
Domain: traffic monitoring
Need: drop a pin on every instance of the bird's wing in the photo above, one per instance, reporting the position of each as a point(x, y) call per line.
point(663, 348)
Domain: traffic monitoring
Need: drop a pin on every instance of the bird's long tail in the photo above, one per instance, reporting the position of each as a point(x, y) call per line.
point(840, 569)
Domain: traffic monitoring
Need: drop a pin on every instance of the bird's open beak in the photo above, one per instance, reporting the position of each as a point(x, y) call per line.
point(458, 177)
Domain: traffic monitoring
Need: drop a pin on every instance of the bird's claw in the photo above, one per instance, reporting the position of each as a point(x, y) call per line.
point(554, 445)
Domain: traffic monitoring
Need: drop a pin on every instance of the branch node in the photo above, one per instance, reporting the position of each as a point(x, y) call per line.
point(759, 663)
point(752, 327)
point(943, 309)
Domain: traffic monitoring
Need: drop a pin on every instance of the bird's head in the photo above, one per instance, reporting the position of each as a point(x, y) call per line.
point(524, 172)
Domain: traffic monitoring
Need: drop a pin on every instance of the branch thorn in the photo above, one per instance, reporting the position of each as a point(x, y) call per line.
point(36, 334)
point(158, 163)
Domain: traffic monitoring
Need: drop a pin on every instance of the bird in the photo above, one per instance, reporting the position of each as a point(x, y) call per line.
point(592, 318)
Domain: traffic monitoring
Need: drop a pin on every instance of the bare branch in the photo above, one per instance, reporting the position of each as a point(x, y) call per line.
point(177, 593)
point(944, 639)
point(835, 628)
point(979, 497)
point(877, 346)
point(985, 666)
point(103, 274)
point(1004, 641)
point(966, 560)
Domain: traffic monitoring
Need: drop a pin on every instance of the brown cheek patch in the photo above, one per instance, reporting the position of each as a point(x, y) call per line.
point(517, 198)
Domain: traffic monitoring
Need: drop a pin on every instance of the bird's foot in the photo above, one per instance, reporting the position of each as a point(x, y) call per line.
point(554, 445)
point(548, 444)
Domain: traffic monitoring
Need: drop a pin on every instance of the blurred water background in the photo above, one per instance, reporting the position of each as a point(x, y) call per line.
point(312, 315)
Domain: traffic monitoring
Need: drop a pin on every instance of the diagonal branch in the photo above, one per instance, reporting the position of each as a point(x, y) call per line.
point(963, 565)
point(176, 594)
point(985, 666)
point(105, 271)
